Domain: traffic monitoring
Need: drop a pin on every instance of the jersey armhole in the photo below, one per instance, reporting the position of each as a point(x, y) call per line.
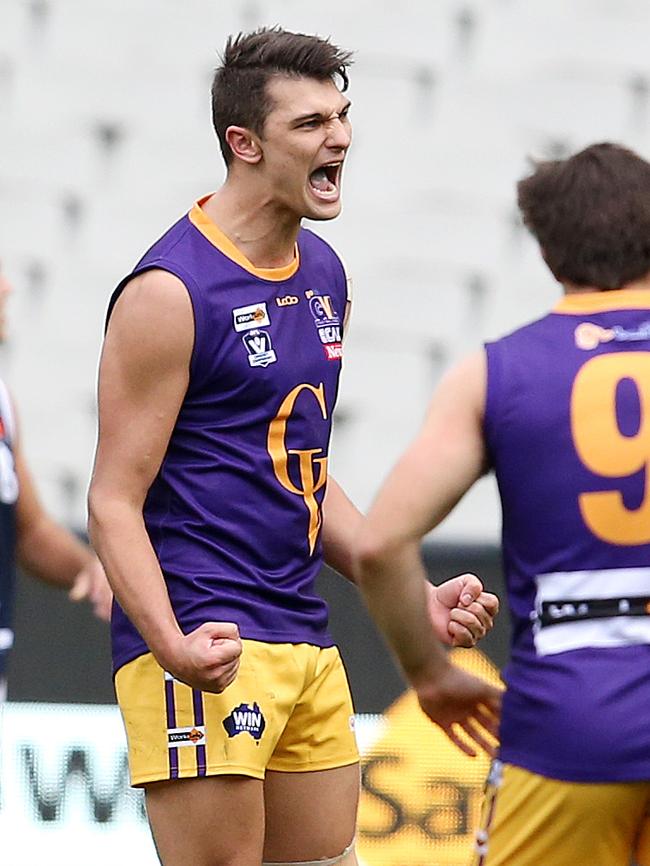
point(194, 296)
point(492, 390)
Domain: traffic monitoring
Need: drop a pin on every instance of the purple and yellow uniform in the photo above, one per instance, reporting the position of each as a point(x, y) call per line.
point(234, 515)
point(567, 428)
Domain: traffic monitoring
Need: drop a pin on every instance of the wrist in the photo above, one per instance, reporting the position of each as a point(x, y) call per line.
point(432, 671)
point(166, 646)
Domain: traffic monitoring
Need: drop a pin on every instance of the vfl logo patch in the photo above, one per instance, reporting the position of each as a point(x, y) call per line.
point(260, 349)
point(194, 736)
point(253, 316)
point(328, 326)
point(287, 301)
point(245, 720)
point(323, 311)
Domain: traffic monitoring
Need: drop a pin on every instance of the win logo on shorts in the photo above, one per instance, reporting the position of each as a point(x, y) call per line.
point(245, 720)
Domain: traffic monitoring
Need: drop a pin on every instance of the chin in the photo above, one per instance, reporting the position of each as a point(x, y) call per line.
point(324, 212)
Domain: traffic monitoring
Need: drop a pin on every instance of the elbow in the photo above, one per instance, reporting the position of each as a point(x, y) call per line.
point(103, 510)
point(373, 555)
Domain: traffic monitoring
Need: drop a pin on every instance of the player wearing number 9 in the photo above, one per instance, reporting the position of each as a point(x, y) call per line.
point(560, 411)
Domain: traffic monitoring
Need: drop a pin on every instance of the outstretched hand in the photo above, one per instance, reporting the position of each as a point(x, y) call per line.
point(91, 585)
point(457, 701)
point(461, 612)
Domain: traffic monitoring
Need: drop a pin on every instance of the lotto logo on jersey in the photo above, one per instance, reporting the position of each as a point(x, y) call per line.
point(260, 349)
point(245, 719)
point(252, 316)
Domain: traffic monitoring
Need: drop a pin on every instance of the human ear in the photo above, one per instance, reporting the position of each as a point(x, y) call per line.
point(244, 144)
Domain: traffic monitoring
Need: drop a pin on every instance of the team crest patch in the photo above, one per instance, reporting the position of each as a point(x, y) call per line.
point(245, 719)
point(194, 736)
point(252, 316)
point(260, 348)
point(328, 326)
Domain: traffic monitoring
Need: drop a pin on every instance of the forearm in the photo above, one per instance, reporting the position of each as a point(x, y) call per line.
point(118, 534)
point(50, 552)
point(342, 522)
point(394, 585)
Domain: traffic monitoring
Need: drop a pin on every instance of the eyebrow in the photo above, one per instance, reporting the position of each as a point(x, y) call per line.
point(318, 115)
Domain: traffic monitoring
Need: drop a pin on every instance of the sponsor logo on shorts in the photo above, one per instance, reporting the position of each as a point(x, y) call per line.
point(260, 348)
point(287, 301)
point(252, 316)
point(245, 719)
point(194, 736)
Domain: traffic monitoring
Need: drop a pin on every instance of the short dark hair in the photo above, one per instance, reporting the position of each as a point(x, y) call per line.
point(239, 91)
point(590, 214)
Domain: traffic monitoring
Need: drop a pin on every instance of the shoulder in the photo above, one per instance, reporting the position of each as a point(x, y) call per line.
point(153, 314)
point(465, 382)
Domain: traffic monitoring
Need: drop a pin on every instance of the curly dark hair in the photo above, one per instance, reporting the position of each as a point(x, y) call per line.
point(239, 91)
point(590, 214)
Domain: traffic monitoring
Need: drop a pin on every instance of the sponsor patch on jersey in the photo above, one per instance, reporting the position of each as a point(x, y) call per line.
point(252, 316)
point(260, 348)
point(245, 719)
point(333, 351)
point(287, 301)
point(589, 336)
point(179, 737)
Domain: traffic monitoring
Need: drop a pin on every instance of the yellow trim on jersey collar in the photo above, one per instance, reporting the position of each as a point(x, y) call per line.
point(213, 233)
point(600, 302)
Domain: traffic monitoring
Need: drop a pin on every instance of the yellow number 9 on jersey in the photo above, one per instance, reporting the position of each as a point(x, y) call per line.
point(606, 451)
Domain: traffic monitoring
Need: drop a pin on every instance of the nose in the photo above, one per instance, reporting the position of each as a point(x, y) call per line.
point(339, 133)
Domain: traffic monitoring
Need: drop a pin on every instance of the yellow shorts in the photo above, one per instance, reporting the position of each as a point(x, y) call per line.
point(289, 709)
point(530, 820)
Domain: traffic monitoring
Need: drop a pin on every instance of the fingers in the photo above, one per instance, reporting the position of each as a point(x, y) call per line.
point(490, 602)
point(81, 586)
point(476, 735)
point(460, 743)
point(220, 630)
point(471, 588)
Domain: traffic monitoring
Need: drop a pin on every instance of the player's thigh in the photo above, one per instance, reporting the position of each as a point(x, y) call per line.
point(529, 820)
point(211, 821)
point(310, 815)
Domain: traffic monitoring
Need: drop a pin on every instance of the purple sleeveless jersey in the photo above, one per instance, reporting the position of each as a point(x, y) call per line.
point(568, 432)
point(234, 514)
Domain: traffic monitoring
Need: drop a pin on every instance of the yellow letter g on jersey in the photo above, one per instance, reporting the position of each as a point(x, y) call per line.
point(312, 478)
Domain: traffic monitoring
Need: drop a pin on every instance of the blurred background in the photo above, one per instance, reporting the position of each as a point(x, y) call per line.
point(105, 140)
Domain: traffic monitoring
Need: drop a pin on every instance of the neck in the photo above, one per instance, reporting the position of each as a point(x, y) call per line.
point(642, 284)
point(260, 228)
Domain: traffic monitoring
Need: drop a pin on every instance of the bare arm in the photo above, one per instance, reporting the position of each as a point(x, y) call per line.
point(443, 462)
point(48, 551)
point(341, 526)
point(144, 373)
point(459, 609)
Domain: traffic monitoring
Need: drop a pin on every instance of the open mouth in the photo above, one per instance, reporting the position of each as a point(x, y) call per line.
point(324, 181)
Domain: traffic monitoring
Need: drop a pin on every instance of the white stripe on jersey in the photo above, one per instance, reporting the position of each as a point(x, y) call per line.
point(615, 631)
